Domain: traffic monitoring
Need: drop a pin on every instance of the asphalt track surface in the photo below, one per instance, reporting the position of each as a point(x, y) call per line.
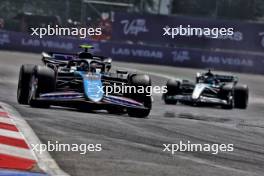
point(133, 146)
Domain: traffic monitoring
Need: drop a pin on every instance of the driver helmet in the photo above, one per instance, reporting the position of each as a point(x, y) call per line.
point(83, 66)
point(209, 77)
point(209, 73)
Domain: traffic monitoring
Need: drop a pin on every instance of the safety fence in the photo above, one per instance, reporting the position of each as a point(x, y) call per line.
point(180, 57)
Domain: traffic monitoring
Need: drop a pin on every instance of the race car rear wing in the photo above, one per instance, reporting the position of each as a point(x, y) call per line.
point(59, 56)
point(66, 57)
point(55, 60)
point(69, 56)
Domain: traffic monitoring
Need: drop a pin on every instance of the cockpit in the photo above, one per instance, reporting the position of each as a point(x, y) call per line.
point(207, 78)
point(86, 65)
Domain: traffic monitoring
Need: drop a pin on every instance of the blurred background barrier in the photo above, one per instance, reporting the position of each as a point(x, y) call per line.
point(148, 28)
point(132, 30)
point(174, 56)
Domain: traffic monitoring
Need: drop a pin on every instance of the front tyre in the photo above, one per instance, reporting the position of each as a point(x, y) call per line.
point(227, 94)
point(24, 83)
point(42, 81)
point(230, 102)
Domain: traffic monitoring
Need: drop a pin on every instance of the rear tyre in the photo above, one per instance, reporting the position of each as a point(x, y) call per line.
point(241, 96)
point(42, 81)
point(24, 83)
point(144, 98)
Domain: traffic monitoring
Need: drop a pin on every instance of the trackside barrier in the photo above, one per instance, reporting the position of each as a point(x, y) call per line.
point(180, 57)
point(248, 36)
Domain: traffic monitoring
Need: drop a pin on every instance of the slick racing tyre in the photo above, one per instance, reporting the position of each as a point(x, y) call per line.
point(173, 88)
point(230, 101)
point(141, 113)
point(24, 83)
point(42, 81)
point(241, 96)
point(227, 93)
point(144, 98)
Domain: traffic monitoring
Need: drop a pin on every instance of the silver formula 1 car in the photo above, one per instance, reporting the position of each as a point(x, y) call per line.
point(79, 81)
point(208, 89)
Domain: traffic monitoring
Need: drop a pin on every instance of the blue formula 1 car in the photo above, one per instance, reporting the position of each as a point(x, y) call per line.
point(80, 81)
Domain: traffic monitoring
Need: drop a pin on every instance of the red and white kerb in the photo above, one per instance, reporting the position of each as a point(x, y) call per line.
point(14, 150)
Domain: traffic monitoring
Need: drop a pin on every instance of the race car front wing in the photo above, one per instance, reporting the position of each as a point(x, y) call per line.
point(77, 97)
point(200, 99)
